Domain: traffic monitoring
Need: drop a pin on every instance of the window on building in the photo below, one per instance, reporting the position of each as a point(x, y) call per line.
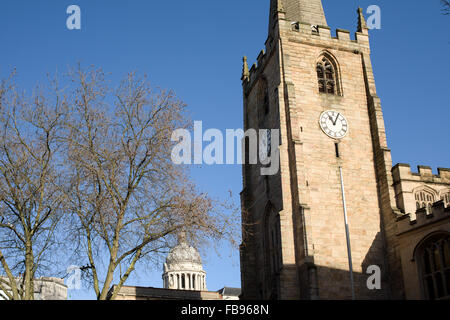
point(446, 198)
point(327, 77)
point(274, 245)
point(424, 199)
point(263, 96)
point(434, 259)
point(273, 257)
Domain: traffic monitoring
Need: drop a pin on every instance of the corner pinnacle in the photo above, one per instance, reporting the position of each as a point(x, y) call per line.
point(280, 7)
point(362, 25)
point(245, 72)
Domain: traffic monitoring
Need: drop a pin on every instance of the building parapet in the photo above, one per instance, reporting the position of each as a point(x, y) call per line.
point(45, 288)
point(150, 293)
point(305, 33)
point(424, 174)
point(324, 32)
point(422, 217)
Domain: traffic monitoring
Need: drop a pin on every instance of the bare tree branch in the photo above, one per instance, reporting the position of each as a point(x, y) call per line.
point(446, 5)
point(29, 201)
point(102, 156)
point(126, 193)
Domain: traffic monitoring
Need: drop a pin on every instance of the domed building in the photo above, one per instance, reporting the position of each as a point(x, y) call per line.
point(183, 269)
point(183, 279)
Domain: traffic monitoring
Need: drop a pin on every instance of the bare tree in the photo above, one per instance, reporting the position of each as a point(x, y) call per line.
point(128, 198)
point(103, 157)
point(30, 203)
point(446, 4)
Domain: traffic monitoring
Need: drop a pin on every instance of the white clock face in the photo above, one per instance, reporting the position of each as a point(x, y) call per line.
point(333, 124)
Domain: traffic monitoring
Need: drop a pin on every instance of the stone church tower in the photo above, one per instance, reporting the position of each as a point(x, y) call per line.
point(319, 91)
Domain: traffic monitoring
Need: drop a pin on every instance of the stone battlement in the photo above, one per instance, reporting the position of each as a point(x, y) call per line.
point(439, 212)
point(424, 174)
point(305, 33)
point(413, 190)
point(323, 32)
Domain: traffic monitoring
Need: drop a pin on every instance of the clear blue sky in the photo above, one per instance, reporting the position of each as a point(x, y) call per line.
point(195, 48)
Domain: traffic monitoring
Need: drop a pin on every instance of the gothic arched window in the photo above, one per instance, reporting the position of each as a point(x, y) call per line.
point(273, 241)
point(434, 264)
point(446, 198)
point(273, 257)
point(424, 199)
point(327, 77)
point(263, 98)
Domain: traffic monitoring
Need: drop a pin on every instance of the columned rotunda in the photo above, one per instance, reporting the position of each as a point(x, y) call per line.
point(183, 279)
point(183, 269)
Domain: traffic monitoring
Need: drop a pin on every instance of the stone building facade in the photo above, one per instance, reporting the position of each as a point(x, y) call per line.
point(423, 231)
point(319, 92)
point(183, 279)
point(149, 293)
point(45, 288)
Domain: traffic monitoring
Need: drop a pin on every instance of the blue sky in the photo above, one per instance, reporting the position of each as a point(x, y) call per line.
point(196, 47)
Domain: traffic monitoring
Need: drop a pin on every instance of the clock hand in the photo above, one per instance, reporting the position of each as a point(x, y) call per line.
point(334, 122)
point(329, 117)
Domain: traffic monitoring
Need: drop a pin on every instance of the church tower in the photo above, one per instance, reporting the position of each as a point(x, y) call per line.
point(332, 198)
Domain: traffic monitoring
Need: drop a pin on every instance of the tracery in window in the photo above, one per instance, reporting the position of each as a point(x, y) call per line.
point(424, 199)
point(327, 76)
point(434, 264)
point(446, 198)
